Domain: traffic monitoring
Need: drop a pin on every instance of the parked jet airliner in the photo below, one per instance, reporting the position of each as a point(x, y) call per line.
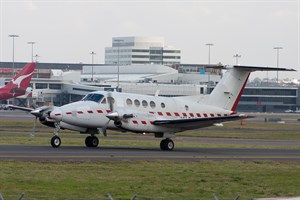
point(162, 116)
point(18, 86)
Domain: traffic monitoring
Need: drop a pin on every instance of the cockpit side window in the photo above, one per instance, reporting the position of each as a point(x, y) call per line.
point(93, 97)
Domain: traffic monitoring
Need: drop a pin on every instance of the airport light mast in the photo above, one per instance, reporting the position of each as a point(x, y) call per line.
point(13, 55)
point(277, 49)
point(32, 43)
point(93, 53)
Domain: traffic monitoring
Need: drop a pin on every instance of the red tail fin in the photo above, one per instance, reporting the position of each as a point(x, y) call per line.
point(22, 79)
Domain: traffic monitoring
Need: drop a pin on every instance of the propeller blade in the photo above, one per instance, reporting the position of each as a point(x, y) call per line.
point(104, 128)
point(110, 100)
point(33, 128)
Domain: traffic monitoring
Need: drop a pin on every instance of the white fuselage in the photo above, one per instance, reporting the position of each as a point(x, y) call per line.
point(144, 108)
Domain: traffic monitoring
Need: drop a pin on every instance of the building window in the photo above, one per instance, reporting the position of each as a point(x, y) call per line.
point(54, 86)
point(41, 86)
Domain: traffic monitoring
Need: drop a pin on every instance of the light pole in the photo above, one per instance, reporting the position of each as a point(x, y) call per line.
point(209, 45)
point(93, 53)
point(118, 40)
point(277, 49)
point(237, 56)
point(32, 43)
point(13, 57)
point(36, 61)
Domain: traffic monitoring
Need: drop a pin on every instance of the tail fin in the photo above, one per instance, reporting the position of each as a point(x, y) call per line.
point(22, 79)
point(228, 91)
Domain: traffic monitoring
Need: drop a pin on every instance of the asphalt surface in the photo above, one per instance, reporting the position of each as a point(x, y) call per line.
point(80, 153)
point(71, 153)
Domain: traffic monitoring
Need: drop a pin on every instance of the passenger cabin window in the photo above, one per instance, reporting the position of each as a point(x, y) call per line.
point(137, 103)
point(93, 97)
point(152, 104)
point(129, 102)
point(163, 105)
point(144, 103)
point(103, 101)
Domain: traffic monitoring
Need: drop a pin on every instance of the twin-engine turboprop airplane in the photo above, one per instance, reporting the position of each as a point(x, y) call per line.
point(163, 116)
point(18, 86)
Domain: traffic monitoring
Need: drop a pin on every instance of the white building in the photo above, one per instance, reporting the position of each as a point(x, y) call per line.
point(141, 50)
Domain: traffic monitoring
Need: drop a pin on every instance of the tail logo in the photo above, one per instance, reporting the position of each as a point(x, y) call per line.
point(19, 80)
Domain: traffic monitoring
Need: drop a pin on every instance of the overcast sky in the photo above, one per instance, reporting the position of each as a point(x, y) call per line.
point(67, 31)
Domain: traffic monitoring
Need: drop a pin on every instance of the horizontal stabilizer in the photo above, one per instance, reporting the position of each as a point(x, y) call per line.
point(249, 68)
point(257, 68)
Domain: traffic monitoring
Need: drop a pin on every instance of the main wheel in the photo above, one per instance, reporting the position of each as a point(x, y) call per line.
point(91, 141)
point(167, 144)
point(55, 141)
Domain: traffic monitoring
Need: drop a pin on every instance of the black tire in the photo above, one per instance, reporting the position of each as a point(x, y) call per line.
point(167, 144)
point(55, 141)
point(91, 141)
point(88, 141)
point(94, 141)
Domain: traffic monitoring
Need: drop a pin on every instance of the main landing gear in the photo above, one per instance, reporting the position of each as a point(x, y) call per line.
point(167, 144)
point(91, 141)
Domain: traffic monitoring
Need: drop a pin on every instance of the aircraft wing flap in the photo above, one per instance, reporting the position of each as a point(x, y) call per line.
point(191, 123)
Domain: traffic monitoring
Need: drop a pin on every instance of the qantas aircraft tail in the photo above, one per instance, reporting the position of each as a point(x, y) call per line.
point(228, 91)
point(21, 80)
point(18, 85)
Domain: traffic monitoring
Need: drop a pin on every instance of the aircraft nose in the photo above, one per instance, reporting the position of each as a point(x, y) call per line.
point(56, 114)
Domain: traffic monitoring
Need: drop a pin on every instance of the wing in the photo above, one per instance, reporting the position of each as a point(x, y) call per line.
point(194, 123)
point(19, 108)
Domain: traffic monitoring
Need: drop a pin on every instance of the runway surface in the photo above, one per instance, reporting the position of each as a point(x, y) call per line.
point(76, 153)
point(277, 149)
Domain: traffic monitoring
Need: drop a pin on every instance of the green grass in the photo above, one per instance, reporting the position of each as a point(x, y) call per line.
point(17, 132)
point(149, 179)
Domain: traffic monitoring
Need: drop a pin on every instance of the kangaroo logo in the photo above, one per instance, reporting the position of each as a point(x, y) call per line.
point(19, 80)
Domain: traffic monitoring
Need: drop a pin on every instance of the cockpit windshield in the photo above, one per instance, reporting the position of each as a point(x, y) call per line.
point(93, 97)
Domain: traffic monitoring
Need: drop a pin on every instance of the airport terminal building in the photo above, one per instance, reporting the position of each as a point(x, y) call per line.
point(61, 83)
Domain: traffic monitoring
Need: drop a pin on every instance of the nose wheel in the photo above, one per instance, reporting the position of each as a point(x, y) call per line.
point(167, 144)
point(91, 141)
point(55, 141)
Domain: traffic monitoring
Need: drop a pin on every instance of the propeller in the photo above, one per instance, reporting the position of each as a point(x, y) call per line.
point(114, 114)
point(110, 101)
point(40, 113)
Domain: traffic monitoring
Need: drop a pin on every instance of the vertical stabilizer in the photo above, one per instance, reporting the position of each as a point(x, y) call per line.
point(228, 91)
point(22, 79)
